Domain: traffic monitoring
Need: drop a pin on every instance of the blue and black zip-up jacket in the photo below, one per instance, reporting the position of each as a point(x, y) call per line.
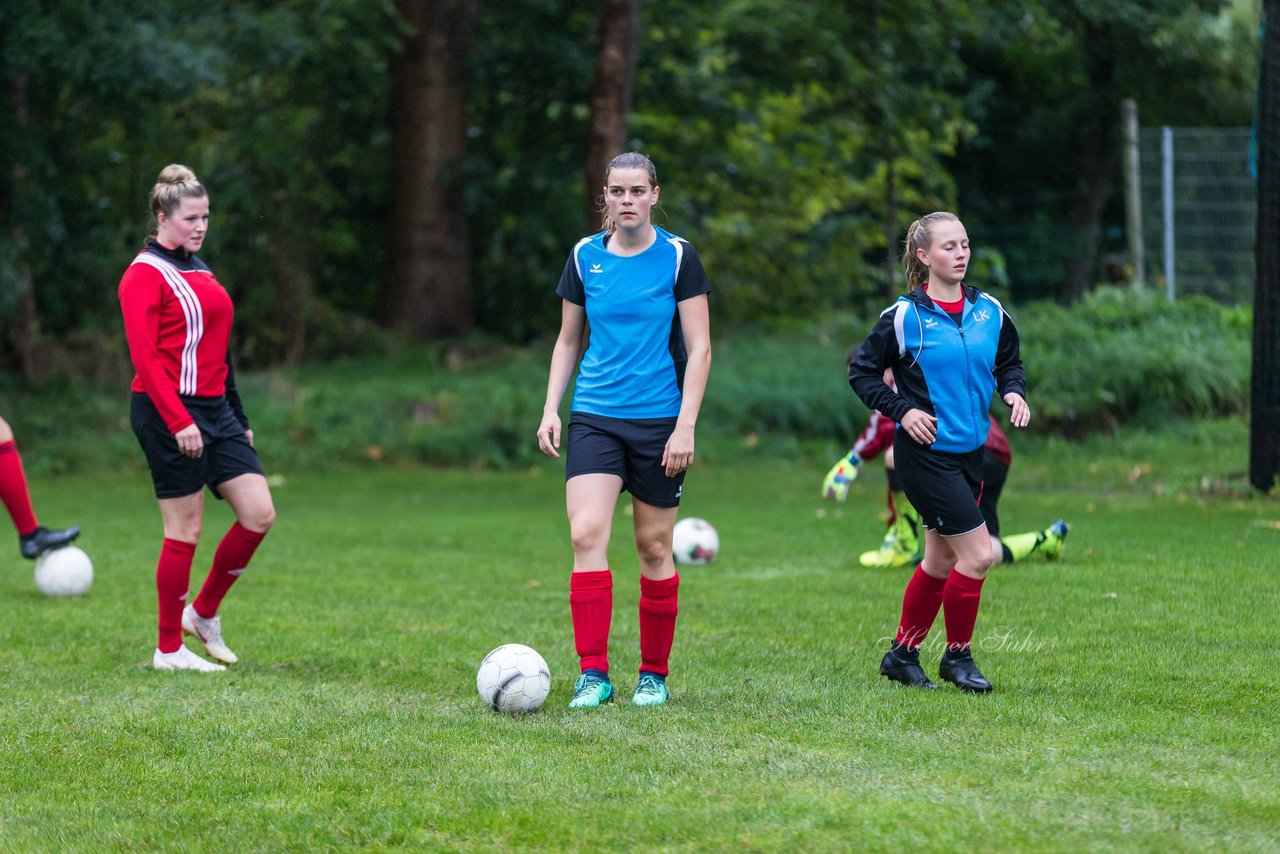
point(946, 370)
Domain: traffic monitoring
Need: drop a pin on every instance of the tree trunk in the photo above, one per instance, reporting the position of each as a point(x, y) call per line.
point(1085, 215)
point(23, 328)
point(427, 291)
point(618, 36)
point(1099, 141)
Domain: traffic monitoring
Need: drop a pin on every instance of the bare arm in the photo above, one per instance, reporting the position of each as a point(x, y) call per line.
point(695, 323)
point(564, 358)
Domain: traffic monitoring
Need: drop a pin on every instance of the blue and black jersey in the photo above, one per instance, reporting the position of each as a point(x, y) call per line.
point(942, 367)
point(635, 359)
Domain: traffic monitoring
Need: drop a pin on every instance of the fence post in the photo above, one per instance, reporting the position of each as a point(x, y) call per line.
point(1166, 195)
point(1133, 192)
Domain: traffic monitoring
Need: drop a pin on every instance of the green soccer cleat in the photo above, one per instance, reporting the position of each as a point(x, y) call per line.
point(901, 548)
point(882, 555)
point(651, 690)
point(592, 689)
point(1055, 537)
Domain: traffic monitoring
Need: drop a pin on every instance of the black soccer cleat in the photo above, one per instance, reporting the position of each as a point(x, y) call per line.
point(902, 664)
point(958, 668)
point(42, 540)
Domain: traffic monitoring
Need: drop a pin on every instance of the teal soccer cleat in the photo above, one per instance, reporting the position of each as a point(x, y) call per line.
point(592, 689)
point(651, 690)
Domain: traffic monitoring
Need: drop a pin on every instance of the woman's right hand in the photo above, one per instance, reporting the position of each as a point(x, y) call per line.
point(190, 442)
point(920, 426)
point(549, 434)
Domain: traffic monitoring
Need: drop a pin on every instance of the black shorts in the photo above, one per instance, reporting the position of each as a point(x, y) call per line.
point(943, 487)
point(630, 448)
point(994, 473)
point(227, 452)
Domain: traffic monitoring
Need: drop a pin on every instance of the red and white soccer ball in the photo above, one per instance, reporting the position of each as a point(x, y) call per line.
point(513, 679)
point(64, 571)
point(694, 542)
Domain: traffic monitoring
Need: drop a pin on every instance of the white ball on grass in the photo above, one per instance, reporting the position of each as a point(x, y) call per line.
point(694, 542)
point(513, 679)
point(65, 571)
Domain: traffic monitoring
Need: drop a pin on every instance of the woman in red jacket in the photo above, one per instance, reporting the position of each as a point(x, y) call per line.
point(188, 419)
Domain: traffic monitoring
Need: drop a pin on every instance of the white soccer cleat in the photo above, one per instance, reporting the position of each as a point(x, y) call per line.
point(183, 659)
point(209, 633)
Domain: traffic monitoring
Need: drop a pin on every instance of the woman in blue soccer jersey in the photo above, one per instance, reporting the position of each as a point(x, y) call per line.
point(641, 293)
point(950, 345)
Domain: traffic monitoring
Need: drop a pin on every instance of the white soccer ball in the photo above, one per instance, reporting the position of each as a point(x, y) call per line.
point(513, 679)
point(65, 571)
point(694, 542)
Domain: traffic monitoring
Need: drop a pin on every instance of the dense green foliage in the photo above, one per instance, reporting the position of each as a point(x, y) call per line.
point(1133, 706)
point(794, 141)
point(1126, 357)
point(1116, 361)
point(278, 107)
point(1044, 90)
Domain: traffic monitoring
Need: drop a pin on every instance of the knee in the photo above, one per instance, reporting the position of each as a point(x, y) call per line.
point(587, 533)
point(653, 551)
point(6, 432)
point(261, 520)
point(183, 531)
point(978, 565)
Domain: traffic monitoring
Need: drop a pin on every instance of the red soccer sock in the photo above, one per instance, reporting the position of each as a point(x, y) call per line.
point(960, 608)
point(232, 557)
point(591, 602)
point(920, 605)
point(659, 604)
point(13, 489)
point(173, 575)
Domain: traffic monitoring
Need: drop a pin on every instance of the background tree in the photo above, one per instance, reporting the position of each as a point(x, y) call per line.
point(766, 120)
point(427, 292)
point(794, 140)
point(300, 198)
point(1044, 85)
point(67, 168)
point(528, 117)
point(618, 35)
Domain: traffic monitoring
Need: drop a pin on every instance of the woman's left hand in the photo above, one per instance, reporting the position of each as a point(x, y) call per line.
point(677, 456)
point(1021, 414)
point(248, 434)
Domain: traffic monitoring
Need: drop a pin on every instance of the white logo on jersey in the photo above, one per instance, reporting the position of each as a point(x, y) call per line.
point(929, 323)
point(595, 268)
point(981, 315)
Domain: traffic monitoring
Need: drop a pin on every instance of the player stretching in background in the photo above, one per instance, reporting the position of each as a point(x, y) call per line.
point(643, 293)
point(902, 544)
point(33, 540)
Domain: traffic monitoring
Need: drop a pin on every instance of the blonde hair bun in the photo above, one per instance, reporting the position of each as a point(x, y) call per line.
point(174, 183)
point(176, 173)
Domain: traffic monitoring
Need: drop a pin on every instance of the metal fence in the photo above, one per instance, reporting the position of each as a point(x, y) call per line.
point(1199, 207)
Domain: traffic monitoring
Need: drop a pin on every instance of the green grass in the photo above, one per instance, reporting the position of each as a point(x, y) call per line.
point(1135, 706)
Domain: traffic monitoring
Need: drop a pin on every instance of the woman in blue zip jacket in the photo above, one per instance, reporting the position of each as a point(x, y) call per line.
point(950, 345)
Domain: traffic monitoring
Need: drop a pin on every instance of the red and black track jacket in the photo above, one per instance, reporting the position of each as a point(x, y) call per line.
point(177, 319)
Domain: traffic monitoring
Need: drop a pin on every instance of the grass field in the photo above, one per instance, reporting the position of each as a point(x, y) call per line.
point(1136, 701)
